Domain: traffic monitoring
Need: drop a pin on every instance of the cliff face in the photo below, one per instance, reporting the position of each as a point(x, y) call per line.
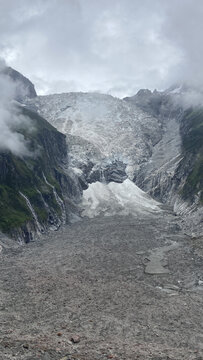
point(174, 173)
point(35, 190)
point(191, 129)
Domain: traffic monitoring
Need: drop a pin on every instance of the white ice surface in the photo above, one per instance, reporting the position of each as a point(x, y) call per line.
point(116, 198)
point(100, 127)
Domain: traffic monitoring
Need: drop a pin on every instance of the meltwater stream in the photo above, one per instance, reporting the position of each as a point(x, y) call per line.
point(39, 227)
point(58, 200)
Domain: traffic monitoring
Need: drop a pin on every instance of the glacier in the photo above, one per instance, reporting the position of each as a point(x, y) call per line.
point(108, 139)
point(117, 199)
point(111, 140)
point(101, 128)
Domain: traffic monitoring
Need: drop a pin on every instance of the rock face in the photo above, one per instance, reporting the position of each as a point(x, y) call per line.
point(24, 87)
point(174, 173)
point(36, 191)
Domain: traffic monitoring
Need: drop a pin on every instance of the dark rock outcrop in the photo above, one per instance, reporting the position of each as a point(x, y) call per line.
point(156, 103)
point(36, 190)
point(112, 172)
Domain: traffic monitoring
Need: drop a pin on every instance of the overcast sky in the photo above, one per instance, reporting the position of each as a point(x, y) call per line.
point(112, 46)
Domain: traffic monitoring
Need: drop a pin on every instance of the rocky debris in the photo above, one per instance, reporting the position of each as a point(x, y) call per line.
point(88, 280)
point(75, 339)
point(171, 290)
point(172, 287)
point(116, 172)
point(156, 261)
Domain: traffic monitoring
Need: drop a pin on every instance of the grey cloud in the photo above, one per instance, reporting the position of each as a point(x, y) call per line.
point(183, 28)
point(10, 119)
point(115, 46)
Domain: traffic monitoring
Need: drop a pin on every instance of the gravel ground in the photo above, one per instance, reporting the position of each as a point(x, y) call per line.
point(83, 292)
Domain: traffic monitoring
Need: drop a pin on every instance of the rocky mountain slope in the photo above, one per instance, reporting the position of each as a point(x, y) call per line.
point(182, 132)
point(33, 188)
point(37, 190)
point(174, 173)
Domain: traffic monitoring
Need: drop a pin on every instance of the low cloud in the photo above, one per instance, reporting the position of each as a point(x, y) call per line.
point(116, 46)
point(192, 97)
point(11, 118)
point(85, 45)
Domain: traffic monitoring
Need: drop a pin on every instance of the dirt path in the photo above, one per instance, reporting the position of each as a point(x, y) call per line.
point(90, 280)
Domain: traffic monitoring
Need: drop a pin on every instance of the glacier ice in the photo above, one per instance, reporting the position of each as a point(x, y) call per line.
point(100, 128)
point(114, 198)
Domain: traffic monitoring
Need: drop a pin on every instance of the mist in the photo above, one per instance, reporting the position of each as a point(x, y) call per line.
point(11, 118)
point(115, 47)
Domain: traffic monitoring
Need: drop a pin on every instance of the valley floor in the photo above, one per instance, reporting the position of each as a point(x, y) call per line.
point(129, 288)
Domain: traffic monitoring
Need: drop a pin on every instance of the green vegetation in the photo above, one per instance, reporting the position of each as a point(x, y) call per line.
point(193, 149)
point(25, 175)
point(13, 210)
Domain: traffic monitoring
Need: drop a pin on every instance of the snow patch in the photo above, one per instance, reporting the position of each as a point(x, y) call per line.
point(114, 198)
point(77, 171)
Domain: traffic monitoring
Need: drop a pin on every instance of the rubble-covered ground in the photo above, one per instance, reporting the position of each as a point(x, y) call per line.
point(111, 287)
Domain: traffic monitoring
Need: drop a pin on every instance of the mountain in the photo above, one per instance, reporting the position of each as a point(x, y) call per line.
point(24, 88)
point(143, 138)
point(156, 103)
point(107, 137)
point(151, 139)
point(175, 171)
point(89, 290)
point(35, 190)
